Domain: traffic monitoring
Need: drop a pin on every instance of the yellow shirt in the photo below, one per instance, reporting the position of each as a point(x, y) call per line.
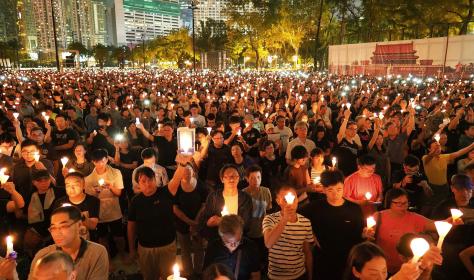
point(437, 169)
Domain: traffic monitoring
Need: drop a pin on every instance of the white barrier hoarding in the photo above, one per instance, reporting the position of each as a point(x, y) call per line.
point(421, 57)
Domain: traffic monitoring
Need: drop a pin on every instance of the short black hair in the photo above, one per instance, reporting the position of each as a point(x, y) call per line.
point(234, 119)
point(72, 211)
point(264, 144)
point(227, 166)
point(253, 168)
point(299, 152)
point(316, 152)
point(103, 116)
point(148, 153)
point(29, 142)
point(392, 194)
point(75, 174)
point(146, 171)
point(411, 161)
point(366, 160)
point(331, 177)
point(99, 154)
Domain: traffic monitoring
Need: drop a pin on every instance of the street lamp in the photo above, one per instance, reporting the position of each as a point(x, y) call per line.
point(55, 35)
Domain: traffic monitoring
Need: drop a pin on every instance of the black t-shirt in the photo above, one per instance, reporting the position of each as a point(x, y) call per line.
point(167, 151)
point(217, 252)
point(100, 141)
point(415, 192)
point(61, 137)
point(189, 203)
point(251, 137)
point(337, 229)
point(154, 218)
point(48, 150)
point(346, 154)
point(216, 158)
point(89, 207)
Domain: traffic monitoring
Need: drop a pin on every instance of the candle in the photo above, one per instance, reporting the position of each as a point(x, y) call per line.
point(290, 198)
point(119, 137)
point(370, 222)
point(101, 182)
point(381, 116)
point(368, 195)
point(64, 161)
point(456, 214)
point(137, 120)
point(15, 115)
point(437, 137)
point(224, 211)
point(419, 246)
point(443, 228)
point(37, 156)
point(186, 138)
point(9, 245)
point(348, 105)
point(176, 275)
point(3, 177)
point(334, 161)
point(46, 118)
point(71, 170)
point(209, 129)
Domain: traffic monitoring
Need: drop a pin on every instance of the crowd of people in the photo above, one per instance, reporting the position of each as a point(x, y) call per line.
point(294, 175)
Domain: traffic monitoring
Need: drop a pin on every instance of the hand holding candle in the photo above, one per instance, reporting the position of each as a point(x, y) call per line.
point(419, 246)
point(11, 254)
point(437, 137)
point(443, 228)
point(370, 222)
point(3, 177)
point(368, 195)
point(64, 161)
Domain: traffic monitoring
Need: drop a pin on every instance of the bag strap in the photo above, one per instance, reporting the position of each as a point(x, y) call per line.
point(237, 265)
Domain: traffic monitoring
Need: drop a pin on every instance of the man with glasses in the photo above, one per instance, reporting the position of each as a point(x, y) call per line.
point(90, 259)
point(31, 160)
point(239, 253)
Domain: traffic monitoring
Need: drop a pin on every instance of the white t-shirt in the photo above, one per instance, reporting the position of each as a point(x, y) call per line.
point(232, 204)
point(285, 135)
point(109, 202)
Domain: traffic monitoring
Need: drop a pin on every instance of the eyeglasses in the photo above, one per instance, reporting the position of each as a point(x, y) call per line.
point(52, 229)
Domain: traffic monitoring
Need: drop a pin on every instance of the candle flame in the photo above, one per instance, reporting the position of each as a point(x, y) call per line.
point(371, 222)
point(290, 198)
point(419, 246)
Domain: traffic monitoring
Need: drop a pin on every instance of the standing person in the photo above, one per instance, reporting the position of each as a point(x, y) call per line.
point(316, 168)
point(218, 155)
point(234, 250)
point(297, 174)
point(79, 161)
point(347, 146)
point(106, 183)
point(363, 182)
point(289, 254)
point(151, 222)
point(337, 224)
point(88, 205)
point(90, 259)
point(393, 223)
point(301, 131)
point(63, 137)
point(189, 203)
point(234, 200)
point(148, 156)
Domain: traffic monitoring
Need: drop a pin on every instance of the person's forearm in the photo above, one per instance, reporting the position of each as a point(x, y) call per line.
point(91, 223)
point(115, 191)
point(182, 216)
point(309, 265)
point(273, 235)
point(19, 134)
point(17, 199)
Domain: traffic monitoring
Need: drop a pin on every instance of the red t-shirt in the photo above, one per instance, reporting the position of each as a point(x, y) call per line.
point(391, 229)
point(356, 186)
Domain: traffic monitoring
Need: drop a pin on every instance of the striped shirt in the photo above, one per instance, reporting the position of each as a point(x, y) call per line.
point(286, 259)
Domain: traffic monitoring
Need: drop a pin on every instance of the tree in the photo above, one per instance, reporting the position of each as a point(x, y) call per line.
point(101, 54)
point(78, 46)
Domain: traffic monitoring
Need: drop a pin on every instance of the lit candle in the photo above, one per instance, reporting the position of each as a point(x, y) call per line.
point(37, 156)
point(381, 116)
point(370, 222)
point(419, 246)
point(209, 129)
point(290, 198)
point(334, 161)
point(224, 211)
point(368, 195)
point(3, 177)
point(348, 105)
point(71, 170)
point(15, 115)
point(64, 161)
point(10, 250)
point(46, 118)
point(176, 275)
point(443, 228)
point(101, 182)
point(456, 214)
point(437, 137)
point(137, 120)
point(119, 137)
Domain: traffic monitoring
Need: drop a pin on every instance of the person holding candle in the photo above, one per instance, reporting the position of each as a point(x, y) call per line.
point(11, 201)
point(90, 259)
point(347, 146)
point(236, 201)
point(337, 224)
point(148, 156)
point(301, 131)
point(79, 162)
point(393, 223)
point(234, 250)
point(151, 222)
point(110, 215)
point(63, 137)
point(126, 160)
point(297, 175)
point(316, 167)
point(364, 181)
point(218, 154)
point(290, 254)
point(103, 138)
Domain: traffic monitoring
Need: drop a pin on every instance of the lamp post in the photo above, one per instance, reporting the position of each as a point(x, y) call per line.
point(194, 7)
point(53, 15)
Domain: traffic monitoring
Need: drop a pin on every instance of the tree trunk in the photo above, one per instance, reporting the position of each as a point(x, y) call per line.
point(318, 30)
